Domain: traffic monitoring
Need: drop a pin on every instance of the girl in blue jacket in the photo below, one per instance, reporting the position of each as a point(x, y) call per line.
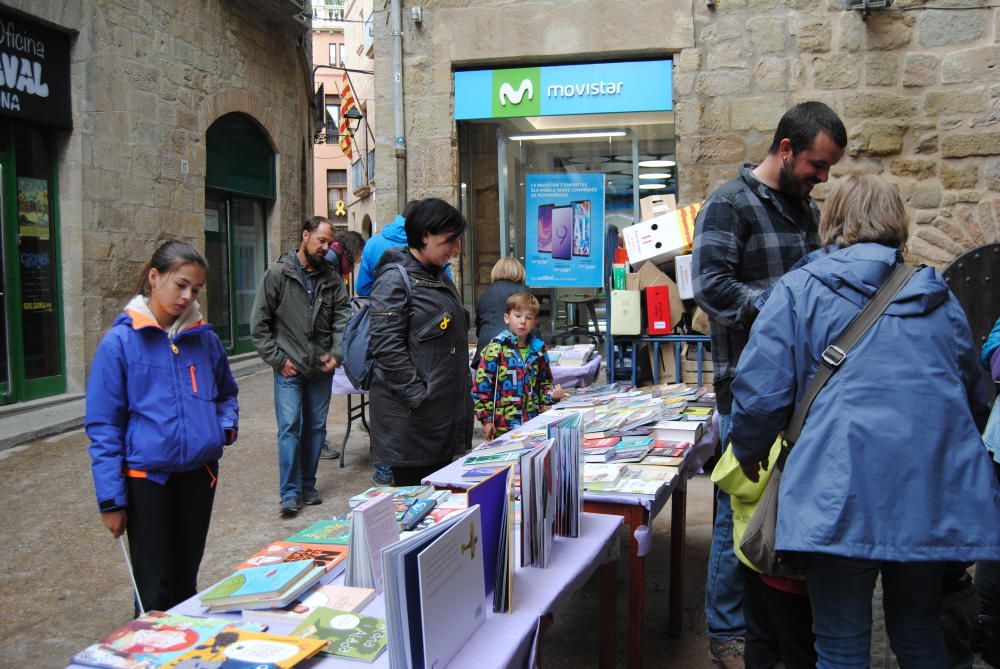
point(161, 404)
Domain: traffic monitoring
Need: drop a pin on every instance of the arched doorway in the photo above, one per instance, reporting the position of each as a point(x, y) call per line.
point(366, 227)
point(239, 188)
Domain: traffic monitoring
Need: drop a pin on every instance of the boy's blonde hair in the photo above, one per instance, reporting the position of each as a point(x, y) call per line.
point(864, 208)
point(507, 268)
point(522, 302)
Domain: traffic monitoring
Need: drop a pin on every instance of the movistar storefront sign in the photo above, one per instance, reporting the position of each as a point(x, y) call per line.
point(595, 88)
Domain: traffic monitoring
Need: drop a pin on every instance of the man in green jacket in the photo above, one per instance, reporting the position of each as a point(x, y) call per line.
point(297, 327)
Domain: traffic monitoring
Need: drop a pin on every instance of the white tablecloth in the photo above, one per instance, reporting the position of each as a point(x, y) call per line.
point(577, 377)
point(505, 639)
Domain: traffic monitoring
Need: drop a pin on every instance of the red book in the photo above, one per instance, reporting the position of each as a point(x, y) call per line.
point(602, 442)
point(658, 310)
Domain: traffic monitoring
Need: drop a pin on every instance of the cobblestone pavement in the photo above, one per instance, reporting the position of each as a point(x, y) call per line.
point(63, 584)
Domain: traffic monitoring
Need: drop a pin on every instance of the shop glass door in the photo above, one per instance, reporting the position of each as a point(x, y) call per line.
point(235, 247)
point(32, 363)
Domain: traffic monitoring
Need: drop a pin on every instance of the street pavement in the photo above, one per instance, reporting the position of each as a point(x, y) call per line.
point(64, 585)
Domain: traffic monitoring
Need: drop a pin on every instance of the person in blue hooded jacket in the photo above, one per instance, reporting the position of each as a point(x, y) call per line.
point(889, 474)
point(161, 405)
point(392, 236)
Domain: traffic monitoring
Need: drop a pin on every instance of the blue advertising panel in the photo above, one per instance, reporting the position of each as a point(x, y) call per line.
point(593, 88)
point(564, 230)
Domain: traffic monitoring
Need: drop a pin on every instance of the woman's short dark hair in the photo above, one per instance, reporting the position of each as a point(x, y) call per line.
point(167, 258)
point(433, 217)
point(802, 123)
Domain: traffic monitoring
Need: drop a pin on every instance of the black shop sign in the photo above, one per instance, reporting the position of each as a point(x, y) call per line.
point(34, 72)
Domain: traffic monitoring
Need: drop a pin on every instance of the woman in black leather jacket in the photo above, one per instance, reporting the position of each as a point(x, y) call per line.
point(421, 407)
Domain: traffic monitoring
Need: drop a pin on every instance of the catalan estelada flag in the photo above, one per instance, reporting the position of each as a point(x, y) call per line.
point(347, 102)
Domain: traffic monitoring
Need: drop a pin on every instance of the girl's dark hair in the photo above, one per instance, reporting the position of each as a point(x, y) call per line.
point(434, 217)
point(350, 241)
point(168, 258)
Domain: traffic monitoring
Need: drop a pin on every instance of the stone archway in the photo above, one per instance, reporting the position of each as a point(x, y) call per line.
point(955, 231)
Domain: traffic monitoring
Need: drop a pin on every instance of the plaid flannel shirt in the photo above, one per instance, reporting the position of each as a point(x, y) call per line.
point(744, 241)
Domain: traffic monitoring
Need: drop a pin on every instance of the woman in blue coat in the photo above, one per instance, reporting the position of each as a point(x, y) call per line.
point(889, 474)
point(161, 404)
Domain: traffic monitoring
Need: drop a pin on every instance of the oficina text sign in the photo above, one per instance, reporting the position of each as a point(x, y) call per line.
point(34, 72)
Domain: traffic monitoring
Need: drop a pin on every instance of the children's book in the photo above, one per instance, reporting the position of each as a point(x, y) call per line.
point(256, 650)
point(340, 597)
point(601, 474)
point(153, 639)
point(350, 635)
point(483, 472)
point(495, 458)
point(329, 556)
point(417, 491)
point(373, 528)
point(336, 531)
point(270, 586)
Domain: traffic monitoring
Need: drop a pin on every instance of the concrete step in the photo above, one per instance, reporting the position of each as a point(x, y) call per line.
point(27, 421)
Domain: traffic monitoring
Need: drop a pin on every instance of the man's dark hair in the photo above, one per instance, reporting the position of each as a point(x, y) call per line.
point(802, 123)
point(434, 217)
point(313, 222)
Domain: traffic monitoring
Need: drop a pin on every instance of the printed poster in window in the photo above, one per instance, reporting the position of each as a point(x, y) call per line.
point(33, 207)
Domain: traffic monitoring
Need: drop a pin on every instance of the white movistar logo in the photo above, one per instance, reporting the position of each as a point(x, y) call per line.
point(508, 94)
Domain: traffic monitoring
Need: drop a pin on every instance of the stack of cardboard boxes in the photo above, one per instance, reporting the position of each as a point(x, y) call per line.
point(651, 303)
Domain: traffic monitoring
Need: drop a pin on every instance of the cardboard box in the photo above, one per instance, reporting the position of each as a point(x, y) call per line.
point(663, 238)
point(647, 275)
point(656, 205)
point(626, 312)
point(658, 310)
point(682, 271)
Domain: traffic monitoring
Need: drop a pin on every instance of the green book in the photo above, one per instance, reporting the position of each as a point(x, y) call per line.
point(351, 635)
point(336, 531)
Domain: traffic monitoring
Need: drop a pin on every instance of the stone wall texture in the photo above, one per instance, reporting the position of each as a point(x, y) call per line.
point(148, 78)
point(918, 89)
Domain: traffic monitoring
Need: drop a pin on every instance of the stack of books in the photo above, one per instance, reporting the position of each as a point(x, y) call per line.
point(270, 586)
point(576, 355)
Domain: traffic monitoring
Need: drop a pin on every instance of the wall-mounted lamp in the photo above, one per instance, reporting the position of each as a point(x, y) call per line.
point(417, 14)
point(866, 6)
point(353, 116)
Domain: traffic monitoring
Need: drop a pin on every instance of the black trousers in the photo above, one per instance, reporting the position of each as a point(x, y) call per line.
point(779, 626)
point(413, 475)
point(167, 526)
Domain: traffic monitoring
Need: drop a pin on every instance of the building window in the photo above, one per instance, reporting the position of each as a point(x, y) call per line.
point(336, 190)
point(332, 117)
point(340, 55)
point(333, 54)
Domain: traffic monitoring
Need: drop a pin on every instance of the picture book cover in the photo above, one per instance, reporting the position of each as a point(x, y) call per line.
point(241, 649)
point(341, 597)
point(327, 556)
point(418, 491)
point(478, 460)
point(349, 634)
point(602, 442)
point(256, 582)
point(152, 640)
point(336, 531)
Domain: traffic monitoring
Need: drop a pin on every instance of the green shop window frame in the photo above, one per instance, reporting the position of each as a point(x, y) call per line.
point(240, 174)
point(16, 386)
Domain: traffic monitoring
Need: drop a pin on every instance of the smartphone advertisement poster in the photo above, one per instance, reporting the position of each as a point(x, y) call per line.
point(564, 230)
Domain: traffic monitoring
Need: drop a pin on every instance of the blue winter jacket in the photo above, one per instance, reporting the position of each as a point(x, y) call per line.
point(394, 235)
point(890, 464)
point(156, 405)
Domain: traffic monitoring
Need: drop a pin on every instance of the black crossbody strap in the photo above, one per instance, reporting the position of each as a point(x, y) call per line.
point(835, 354)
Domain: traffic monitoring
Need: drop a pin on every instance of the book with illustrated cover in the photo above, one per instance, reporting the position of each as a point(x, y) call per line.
point(328, 556)
point(340, 597)
point(350, 635)
point(416, 491)
point(253, 650)
point(270, 586)
point(336, 531)
point(153, 639)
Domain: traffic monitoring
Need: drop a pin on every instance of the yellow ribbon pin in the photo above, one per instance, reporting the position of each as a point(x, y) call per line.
point(341, 210)
point(444, 323)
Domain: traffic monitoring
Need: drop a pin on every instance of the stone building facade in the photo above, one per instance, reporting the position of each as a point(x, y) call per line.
point(916, 86)
point(167, 98)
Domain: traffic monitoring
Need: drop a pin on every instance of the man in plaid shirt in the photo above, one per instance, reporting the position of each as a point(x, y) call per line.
point(748, 234)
